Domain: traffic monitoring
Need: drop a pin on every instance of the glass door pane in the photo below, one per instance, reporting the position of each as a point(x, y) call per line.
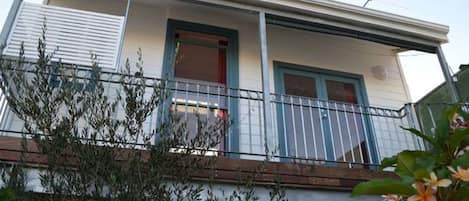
point(346, 122)
point(302, 117)
point(200, 73)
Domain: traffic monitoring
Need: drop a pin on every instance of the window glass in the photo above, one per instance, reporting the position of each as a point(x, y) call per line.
point(200, 56)
point(340, 91)
point(300, 86)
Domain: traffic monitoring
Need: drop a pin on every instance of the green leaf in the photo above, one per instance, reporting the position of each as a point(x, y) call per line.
point(457, 137)
point(383, 186)
point(462, 161)
point(388, 162)
point(7, 194)
point(425, 137)
point(443, 125)
point(407, 162)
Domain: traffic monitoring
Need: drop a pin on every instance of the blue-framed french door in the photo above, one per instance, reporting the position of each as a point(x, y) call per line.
point(204, 60)
point(321, 115)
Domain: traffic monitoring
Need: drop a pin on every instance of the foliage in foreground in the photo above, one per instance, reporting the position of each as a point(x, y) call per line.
point(95, 141)
point(439, 174)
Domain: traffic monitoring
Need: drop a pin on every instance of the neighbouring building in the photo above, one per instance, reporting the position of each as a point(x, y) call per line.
point(429, 108)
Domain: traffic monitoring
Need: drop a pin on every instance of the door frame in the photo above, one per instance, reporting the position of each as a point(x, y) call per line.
point(232, 70)
point(319, 73)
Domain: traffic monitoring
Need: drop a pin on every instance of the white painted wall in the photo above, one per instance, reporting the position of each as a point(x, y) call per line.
point(33, 183)
point(146, 29)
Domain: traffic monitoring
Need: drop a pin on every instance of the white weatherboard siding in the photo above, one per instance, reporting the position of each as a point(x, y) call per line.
point(146, 29)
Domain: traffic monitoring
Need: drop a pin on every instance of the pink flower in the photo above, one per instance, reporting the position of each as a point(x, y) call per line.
point(424, 194)
point(392, 197)
point(458, 122)
point(461, 174)
point(434, 183)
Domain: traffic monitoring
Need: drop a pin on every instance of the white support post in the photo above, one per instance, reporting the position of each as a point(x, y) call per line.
point(9, 21)
point(449, 79)
point(268, 129)
point(121, 42)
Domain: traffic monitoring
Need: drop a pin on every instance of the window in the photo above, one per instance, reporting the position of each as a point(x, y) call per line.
point(200, 57)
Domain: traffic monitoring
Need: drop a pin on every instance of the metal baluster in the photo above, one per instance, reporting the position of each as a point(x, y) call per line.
point(348, 132)
point(330, 127)
point(249, 122)
point(186, 102)
point(175, 97)
point(340, 131)
point(218, 118)
point(294, 126)
point(322, 130)
point(218, 98)
point(432, 118)
point(303, 127)
point(275, 128)
point(357, 133)
point(312, 129)
point(282, 102)
point(197, 105)
point(165, 97)
point(3, 110)
point(208, 104)
point(366, 133)
point(373, 136)
point(260, 123)
point(230, 128)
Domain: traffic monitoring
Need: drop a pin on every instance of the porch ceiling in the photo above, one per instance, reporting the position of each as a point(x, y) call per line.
point(415, 34)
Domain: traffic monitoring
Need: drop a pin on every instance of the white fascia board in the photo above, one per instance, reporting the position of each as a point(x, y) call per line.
point(346, 16)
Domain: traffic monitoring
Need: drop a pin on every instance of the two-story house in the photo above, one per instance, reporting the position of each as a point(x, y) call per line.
point(311, 81)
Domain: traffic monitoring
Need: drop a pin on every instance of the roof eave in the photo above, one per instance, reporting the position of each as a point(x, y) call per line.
point(351, 14)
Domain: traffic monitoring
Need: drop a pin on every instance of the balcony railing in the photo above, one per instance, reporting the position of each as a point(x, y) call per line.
point(305, 130)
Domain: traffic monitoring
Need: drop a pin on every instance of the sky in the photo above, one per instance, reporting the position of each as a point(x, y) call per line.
point(422, 71)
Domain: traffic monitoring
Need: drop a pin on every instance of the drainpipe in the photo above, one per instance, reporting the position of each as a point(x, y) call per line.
point(265, 86)
point(449, 79)
point(10, 20)
point(121, 42)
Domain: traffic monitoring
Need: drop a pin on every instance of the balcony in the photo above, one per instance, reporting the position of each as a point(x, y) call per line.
point(305, 130)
